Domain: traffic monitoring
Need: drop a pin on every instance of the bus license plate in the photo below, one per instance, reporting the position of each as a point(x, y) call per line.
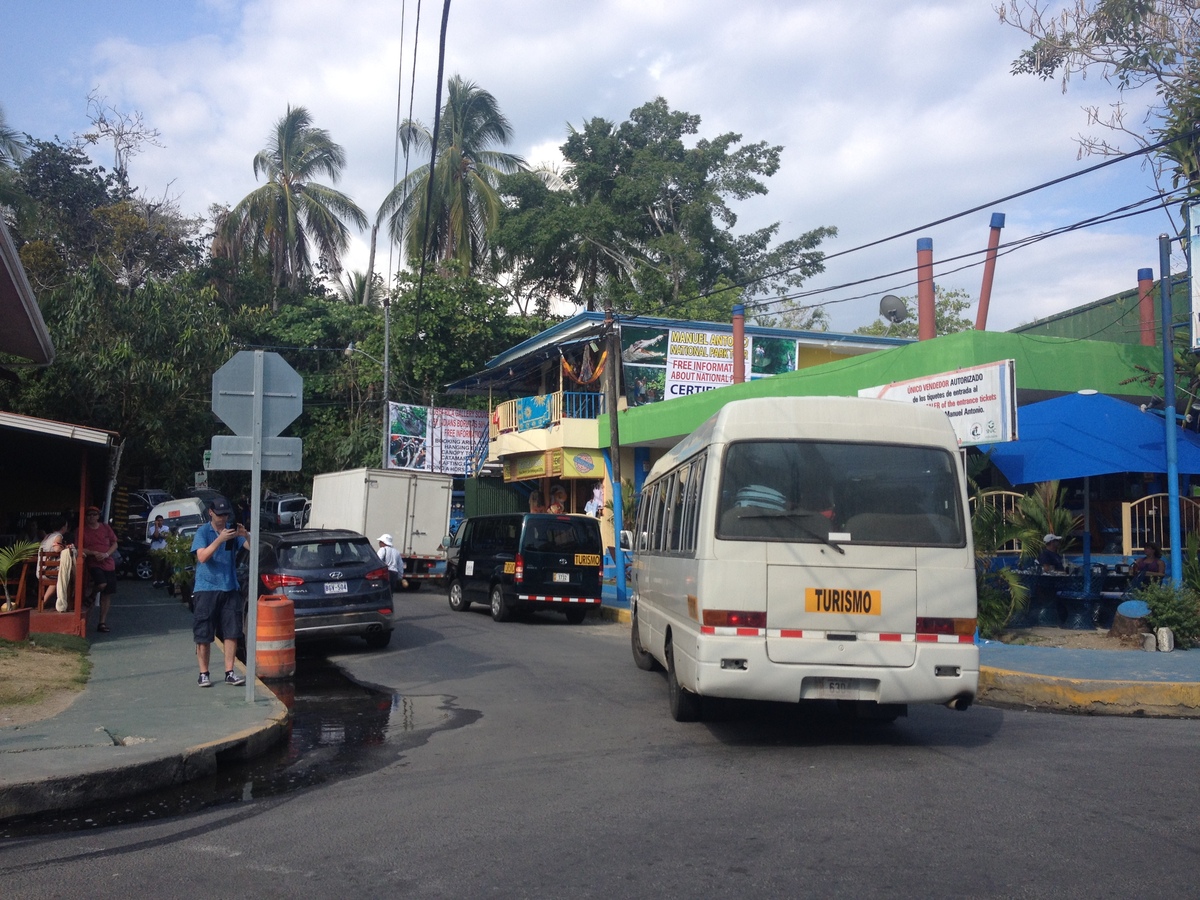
point(336, 587)
point(842, 689)
point(562, 577)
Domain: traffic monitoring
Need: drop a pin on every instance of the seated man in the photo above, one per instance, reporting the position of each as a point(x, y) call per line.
point(1050, 559)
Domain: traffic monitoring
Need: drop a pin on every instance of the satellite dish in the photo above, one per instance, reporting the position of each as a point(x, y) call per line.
point(893, 309)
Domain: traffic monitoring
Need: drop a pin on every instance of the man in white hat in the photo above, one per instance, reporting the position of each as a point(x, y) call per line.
point(391, 559)
point(1050, 559)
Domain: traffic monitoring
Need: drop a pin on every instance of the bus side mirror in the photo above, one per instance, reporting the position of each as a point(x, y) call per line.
point(626, 540)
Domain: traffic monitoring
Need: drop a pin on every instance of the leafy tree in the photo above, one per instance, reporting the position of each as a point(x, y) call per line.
point(291, 210)
point(950, 304)
point(465, 204)
point(1135, 44)
point(646, 222)
point(136, 362)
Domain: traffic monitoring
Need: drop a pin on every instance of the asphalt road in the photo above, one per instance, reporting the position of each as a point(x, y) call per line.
point(532, 759)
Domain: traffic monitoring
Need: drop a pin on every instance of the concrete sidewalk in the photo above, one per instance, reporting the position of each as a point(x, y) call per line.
point(141, 723)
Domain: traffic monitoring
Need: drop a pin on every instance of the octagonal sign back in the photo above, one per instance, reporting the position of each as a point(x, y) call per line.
point(233, 393)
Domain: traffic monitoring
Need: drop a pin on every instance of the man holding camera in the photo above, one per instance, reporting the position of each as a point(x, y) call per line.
point(216, 599)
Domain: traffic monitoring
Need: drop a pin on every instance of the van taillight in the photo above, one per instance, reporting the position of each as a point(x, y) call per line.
point(946, 626)
point(519, 569)
point(735, 618)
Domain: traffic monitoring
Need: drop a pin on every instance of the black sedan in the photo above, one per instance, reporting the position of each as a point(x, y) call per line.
point(335, 580)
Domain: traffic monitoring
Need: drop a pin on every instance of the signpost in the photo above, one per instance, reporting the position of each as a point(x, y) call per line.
point(257, 394)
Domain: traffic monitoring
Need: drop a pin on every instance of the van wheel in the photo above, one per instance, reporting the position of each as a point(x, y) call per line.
point(685, 706)
point(641, 657)
point(458, 599)
point(575, 616)
point(500, 609)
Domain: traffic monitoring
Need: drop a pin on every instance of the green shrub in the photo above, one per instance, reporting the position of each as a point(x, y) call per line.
point(1001, 597)
point(1174, 608)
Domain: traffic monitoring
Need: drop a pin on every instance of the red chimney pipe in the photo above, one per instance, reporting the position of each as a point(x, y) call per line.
point(739, 343)
point(989, 271)
point(1146, 305)
point(926, 309)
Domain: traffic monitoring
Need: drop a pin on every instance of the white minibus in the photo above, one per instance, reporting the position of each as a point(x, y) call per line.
point(809, 548)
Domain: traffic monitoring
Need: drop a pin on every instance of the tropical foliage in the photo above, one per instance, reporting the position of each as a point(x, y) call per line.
point(449, 222)
point(1042, 512)
point(292, 211)
point(950, 308)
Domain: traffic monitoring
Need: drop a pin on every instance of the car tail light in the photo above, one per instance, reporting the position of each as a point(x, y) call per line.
point(274, 582)
point(519, 569)
point(377, 574)
point(946, 626)
point(735, 618)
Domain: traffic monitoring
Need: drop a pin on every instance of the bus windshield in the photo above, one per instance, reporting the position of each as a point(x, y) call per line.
point(840, 492)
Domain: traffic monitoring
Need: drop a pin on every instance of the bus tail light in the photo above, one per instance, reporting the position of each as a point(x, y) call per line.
point(519, 569)
point(735, 618)
point(959, 627)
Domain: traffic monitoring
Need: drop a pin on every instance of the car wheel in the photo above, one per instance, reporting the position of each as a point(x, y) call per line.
point(576, 615)
point(641, 657)
point(458, 599)
point(685, 706)
point(500, 608)
point(144, 568)
point(377, 640)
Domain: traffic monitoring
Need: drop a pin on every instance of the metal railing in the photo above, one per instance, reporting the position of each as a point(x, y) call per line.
point(1148, 519)
point(1006, 502)
point(563, 405)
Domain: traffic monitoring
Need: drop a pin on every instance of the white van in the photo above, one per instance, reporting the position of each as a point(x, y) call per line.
point(181, 516)
point(809, 548)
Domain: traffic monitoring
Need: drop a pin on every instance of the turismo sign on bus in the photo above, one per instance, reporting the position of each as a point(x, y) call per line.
point(980, 402)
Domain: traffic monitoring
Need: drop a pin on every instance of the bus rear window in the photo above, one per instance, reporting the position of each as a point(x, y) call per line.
point(813, 491)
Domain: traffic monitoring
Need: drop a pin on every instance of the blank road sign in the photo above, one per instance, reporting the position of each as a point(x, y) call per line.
point(233, 393)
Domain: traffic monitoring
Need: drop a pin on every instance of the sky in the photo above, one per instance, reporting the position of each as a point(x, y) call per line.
point(892, 114)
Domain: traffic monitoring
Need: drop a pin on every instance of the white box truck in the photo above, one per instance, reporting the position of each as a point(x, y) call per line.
point(413, 507)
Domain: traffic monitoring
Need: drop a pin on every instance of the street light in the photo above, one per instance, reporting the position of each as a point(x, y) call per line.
point(350, 350)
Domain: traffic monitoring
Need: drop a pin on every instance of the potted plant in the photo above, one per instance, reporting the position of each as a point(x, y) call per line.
point(180, 565)
point(14, 623)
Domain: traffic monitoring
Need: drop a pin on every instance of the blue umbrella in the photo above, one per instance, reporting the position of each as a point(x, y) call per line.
point(1084, 434)
point(1079, 435)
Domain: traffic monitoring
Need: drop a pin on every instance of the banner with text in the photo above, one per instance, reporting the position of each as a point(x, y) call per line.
point(981, 401)
point(433, 439)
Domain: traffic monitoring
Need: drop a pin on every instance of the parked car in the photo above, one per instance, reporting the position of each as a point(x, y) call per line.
point(282, 512)
point(526, 561)
point(335, 580)
point(141, 502)
point(135, 559)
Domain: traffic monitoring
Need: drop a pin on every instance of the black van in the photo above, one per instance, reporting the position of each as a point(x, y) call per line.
point(530, 561)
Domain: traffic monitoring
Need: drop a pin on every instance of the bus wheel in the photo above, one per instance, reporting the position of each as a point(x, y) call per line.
point(685, 706)
point(500, 609)
point(458, 599)
point(641, 658)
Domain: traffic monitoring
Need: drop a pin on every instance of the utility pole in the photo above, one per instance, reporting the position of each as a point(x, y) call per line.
point(614, 449)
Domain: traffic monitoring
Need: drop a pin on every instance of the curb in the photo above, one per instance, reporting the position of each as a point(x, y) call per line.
point(66, 792)
point(1089, 696)
point(616, 614)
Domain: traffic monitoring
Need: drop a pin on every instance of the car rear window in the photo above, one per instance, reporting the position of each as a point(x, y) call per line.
point(321, 554)
point(561, 535)
point(291, 505)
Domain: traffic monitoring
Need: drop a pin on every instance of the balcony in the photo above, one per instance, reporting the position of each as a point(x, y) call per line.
point(548, 422)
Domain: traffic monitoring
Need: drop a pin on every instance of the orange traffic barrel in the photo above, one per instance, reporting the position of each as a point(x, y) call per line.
point(275, 638)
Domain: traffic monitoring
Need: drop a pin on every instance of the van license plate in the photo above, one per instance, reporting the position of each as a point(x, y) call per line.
point(843, 689)
point(336, 587)
point(561, 577)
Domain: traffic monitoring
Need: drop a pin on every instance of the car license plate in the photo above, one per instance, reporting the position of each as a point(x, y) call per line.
point(562, 577)
point(336, 587)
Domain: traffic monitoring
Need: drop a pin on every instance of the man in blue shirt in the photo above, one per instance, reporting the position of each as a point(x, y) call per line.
point(216, 599)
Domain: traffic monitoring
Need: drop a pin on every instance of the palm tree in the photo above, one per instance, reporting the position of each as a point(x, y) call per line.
point(12, 145)
point(291, 210)
point(465, 202)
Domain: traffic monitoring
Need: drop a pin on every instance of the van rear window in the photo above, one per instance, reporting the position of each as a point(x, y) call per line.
point(561, 535)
